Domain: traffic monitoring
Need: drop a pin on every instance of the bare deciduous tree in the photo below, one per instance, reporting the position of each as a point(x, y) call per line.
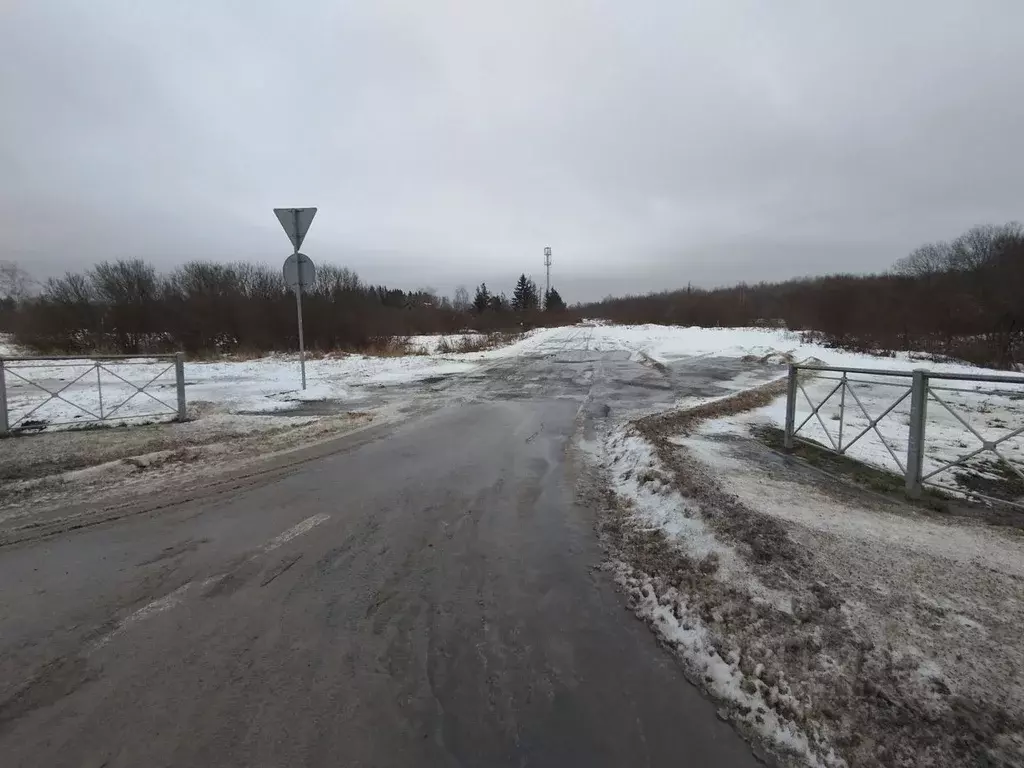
point(15, 283)
point(961, 298)
point(929, 259)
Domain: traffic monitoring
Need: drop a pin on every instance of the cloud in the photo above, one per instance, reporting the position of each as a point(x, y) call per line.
point(649, 143)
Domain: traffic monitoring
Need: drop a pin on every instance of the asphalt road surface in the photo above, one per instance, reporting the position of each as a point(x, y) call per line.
point(420, 595)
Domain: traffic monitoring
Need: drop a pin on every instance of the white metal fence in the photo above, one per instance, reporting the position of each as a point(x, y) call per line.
point(930, 425)
point(39, 393)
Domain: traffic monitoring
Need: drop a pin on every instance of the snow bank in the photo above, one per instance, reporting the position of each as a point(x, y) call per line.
point(647, 492)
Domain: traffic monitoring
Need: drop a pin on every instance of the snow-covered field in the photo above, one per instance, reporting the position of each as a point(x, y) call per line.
point(993, 410)
point(241, 387)
point(263, 385)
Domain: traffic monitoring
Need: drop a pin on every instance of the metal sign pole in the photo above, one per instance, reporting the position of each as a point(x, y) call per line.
point(4, 425)
point(298, 305)
point(299, 271)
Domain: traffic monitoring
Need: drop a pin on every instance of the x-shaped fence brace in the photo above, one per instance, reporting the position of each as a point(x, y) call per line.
point(93, 367)
point(986, 445)
point(872, 422)
point(843, 385)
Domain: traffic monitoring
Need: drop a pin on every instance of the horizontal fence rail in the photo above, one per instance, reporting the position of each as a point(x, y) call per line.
point(922, 419)
point(35, 388)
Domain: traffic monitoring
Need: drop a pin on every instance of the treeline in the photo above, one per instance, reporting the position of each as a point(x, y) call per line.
point(128, 307)
point(963, 299)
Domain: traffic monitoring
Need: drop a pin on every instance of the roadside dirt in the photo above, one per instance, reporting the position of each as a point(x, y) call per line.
point(865, 691)
point(31, 456)
point(46, 471)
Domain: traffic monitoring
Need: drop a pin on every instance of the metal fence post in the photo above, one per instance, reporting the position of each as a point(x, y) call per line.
point(790, 407)
point(915, 446)
point(842, 413)
point(179, 375)
point(99, 389)
point(4, 424)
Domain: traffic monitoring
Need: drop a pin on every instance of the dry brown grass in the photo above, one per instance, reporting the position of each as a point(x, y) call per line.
point(381, 346)
point(461, 344)
point(390, 346)
point(661, 426)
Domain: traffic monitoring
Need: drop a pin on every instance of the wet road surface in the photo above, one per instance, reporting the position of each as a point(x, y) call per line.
point(425, 595)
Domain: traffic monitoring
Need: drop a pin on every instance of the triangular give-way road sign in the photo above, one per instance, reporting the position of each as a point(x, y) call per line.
point(296, 222)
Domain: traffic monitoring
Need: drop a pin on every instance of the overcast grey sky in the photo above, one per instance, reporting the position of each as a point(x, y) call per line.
point(649, 142)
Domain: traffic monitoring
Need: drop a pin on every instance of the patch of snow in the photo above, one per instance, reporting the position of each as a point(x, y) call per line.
point(944, 599)
point(428, 344)
point(269, 384)
point(7, 346)
point(781, 498)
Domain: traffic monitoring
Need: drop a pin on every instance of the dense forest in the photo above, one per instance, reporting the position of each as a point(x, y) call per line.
point(963, 298)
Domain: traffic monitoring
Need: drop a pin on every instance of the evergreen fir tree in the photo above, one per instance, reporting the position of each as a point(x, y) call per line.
point(553, 302)
point(482, 299)
point(525, 296)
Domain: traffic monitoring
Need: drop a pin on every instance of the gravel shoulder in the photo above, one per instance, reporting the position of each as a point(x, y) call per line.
point(34, 456)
